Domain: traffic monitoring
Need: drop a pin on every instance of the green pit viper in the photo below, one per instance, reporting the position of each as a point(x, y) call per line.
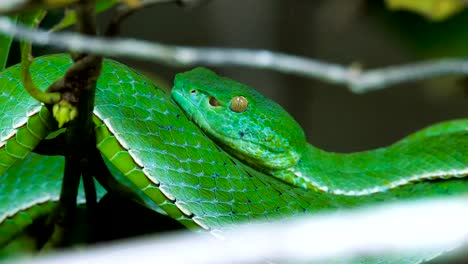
point(247, 159)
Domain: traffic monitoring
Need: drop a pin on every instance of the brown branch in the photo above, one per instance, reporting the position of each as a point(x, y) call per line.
point(78, 88)
point(51, 147)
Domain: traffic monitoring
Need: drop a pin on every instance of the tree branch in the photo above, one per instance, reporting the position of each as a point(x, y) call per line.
point(357, 80)
point(78, 88)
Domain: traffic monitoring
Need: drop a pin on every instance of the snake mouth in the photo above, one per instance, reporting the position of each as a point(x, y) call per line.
point(193, 113)
point(181, 100)
point(251, 150)
point(192, 110)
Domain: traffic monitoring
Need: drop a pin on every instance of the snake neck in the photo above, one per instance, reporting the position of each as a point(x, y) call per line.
point(378, 170)
point(313, 165)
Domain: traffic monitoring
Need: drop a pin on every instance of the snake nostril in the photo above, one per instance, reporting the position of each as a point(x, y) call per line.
point(193, 91)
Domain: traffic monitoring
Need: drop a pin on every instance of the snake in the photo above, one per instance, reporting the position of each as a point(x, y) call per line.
point(212, 153)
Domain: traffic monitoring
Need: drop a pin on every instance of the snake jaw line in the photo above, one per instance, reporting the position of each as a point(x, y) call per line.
point(193, 104)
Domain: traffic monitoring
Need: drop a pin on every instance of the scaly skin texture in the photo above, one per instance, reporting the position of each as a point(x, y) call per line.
point(266, 137)
point(28, 191)
point(169, 160)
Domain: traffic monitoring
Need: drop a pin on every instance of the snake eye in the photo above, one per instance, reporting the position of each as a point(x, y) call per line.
point(193, 91)
point(213, 101)
point(239, 104)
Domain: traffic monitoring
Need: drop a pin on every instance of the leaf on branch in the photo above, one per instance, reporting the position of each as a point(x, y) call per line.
point(436, 10)
point(64, 112)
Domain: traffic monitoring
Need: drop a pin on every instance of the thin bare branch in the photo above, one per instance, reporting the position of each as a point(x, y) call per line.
point(357, 80)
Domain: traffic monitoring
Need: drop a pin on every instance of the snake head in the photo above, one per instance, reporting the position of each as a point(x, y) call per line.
point(243, 122)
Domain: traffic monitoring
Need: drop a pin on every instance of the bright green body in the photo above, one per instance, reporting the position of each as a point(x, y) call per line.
point(164, 155)
point(266, 137)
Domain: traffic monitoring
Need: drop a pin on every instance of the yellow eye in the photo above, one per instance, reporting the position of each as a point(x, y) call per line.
point(239, 104)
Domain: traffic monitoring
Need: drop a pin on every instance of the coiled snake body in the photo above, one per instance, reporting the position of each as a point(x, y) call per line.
point(161, 153)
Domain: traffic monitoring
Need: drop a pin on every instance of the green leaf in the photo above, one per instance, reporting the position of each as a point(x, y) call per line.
point(436, 10)
point(70, 16)
point(5, 43)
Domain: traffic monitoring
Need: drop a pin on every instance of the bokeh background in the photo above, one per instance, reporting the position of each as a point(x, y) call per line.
point(345, 32)
point(354, 32)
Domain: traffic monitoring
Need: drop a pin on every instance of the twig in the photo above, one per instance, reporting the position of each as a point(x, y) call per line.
point(358, 81)
point(26, 79)
point(34, 19)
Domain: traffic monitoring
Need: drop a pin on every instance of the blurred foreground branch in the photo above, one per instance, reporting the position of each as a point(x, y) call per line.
point(417, 230)
point(13, 6)
point(357, 80)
